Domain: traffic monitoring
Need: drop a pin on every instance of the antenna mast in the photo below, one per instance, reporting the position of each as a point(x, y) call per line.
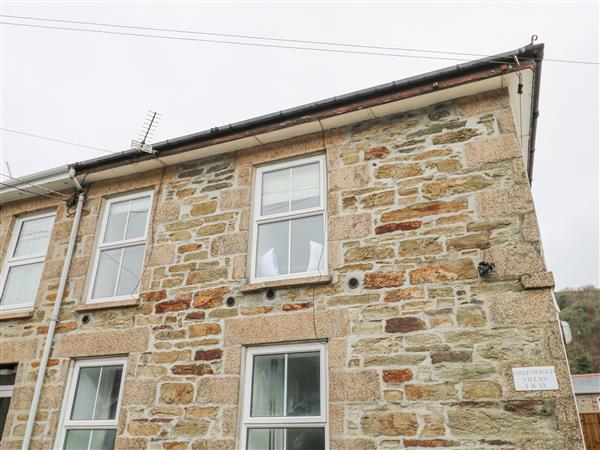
point(146, 133)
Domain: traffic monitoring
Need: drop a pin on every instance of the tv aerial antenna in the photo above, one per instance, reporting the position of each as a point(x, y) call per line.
point(148, 129)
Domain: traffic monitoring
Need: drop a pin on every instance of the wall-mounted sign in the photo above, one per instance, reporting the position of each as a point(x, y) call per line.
point(541, 378)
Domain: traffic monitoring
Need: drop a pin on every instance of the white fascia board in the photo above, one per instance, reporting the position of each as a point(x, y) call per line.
point(521, 107)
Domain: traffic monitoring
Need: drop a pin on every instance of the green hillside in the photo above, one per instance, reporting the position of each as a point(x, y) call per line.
point(581, 308)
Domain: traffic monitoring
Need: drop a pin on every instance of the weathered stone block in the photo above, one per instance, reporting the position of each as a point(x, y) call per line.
point(404, 325)
point(218, 390)
point(352, 386)
point(493, 149)
point(177, 393)
point(425, 209)
point(383, 279)
point(101, 343)
point(437, 391)
point(349, 227)
point(285, 327)
point(459, 269)
point(458, 185)
point(397, 376)
point(389, 424)
point(478, 390)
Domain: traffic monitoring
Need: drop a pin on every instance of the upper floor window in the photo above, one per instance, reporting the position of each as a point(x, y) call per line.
point(7, 381)
point(25, 260)
point(289, 227)
point(91, 410)
point(121, 248)
point(285, 398)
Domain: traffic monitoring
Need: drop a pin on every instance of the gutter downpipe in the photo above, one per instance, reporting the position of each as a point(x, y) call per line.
point(54, 318)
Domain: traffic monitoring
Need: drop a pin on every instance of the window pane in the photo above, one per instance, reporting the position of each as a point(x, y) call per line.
point(275, 196)
point(307, 244)
point(103, 440)
point(4, 404)
point(137, 218)
point(265, 439)
point(34, 237)
point(305, 439)
point(77, 439)
point(108, 393)
point(131, 270)
point(117, 218)
point(85, 393)
point(305, 187)
point(106, 274)
point(21, 284)
point(272, 255)
point(267, 386)
point(303, 385)
point(8, 373)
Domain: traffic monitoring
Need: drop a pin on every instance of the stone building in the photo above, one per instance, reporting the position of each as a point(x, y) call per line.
point(303, 280)
point(587, 392)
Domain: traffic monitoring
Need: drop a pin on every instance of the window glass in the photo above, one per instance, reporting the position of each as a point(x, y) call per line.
point(307, 244)
point(131, 269)
point(305, 186)
point(85, 393)
point(275, 196)
point(138, 216)
point(273, 252)
point(108, 393)
point(90, 440)
point(268, 385)
point(303, 386)
point(21, 284)
point(117, 219)
point(106, 274)
point(34, 237)
point(294, 438)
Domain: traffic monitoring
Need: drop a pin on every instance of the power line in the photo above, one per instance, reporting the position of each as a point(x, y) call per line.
point(56, 140)
point(34, 185)
point(247, 44)
point(241, 36)
point(262, 38)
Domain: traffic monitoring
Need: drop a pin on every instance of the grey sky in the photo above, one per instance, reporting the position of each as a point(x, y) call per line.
point(96, 89)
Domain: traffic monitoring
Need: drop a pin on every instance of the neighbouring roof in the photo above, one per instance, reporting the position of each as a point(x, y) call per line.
point(588, 383)
point(522, 65)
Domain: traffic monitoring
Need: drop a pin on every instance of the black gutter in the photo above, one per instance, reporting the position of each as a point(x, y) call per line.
point(530, 52)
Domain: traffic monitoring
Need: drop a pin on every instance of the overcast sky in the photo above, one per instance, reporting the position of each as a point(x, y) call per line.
point(96, 89)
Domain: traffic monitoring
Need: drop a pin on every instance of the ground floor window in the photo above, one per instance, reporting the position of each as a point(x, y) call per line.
point(285, 398)
point(90, 411)
point(7, 381)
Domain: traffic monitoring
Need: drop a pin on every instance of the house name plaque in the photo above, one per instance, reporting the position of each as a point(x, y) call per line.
point(540, 378)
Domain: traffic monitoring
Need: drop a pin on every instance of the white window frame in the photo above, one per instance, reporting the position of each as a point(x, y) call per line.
point(65, 423)
point(6, 391)
point(100, 245)
point(11, 261)
point(259, 219)
point(320, 421)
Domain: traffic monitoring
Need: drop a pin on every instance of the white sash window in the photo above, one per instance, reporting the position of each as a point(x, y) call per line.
point(90, 411)
point(285, 398)
point(121, 248)
point(24, 261)
point(289, 227)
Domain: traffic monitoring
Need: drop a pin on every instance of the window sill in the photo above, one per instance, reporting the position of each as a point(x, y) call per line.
point(17, 314)
point(287, 283)
point(107, 305)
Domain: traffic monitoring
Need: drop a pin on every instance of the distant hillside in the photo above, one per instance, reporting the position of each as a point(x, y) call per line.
point(581, 308)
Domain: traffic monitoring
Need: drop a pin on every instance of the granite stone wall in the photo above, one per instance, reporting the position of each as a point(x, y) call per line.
point(420, 354)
